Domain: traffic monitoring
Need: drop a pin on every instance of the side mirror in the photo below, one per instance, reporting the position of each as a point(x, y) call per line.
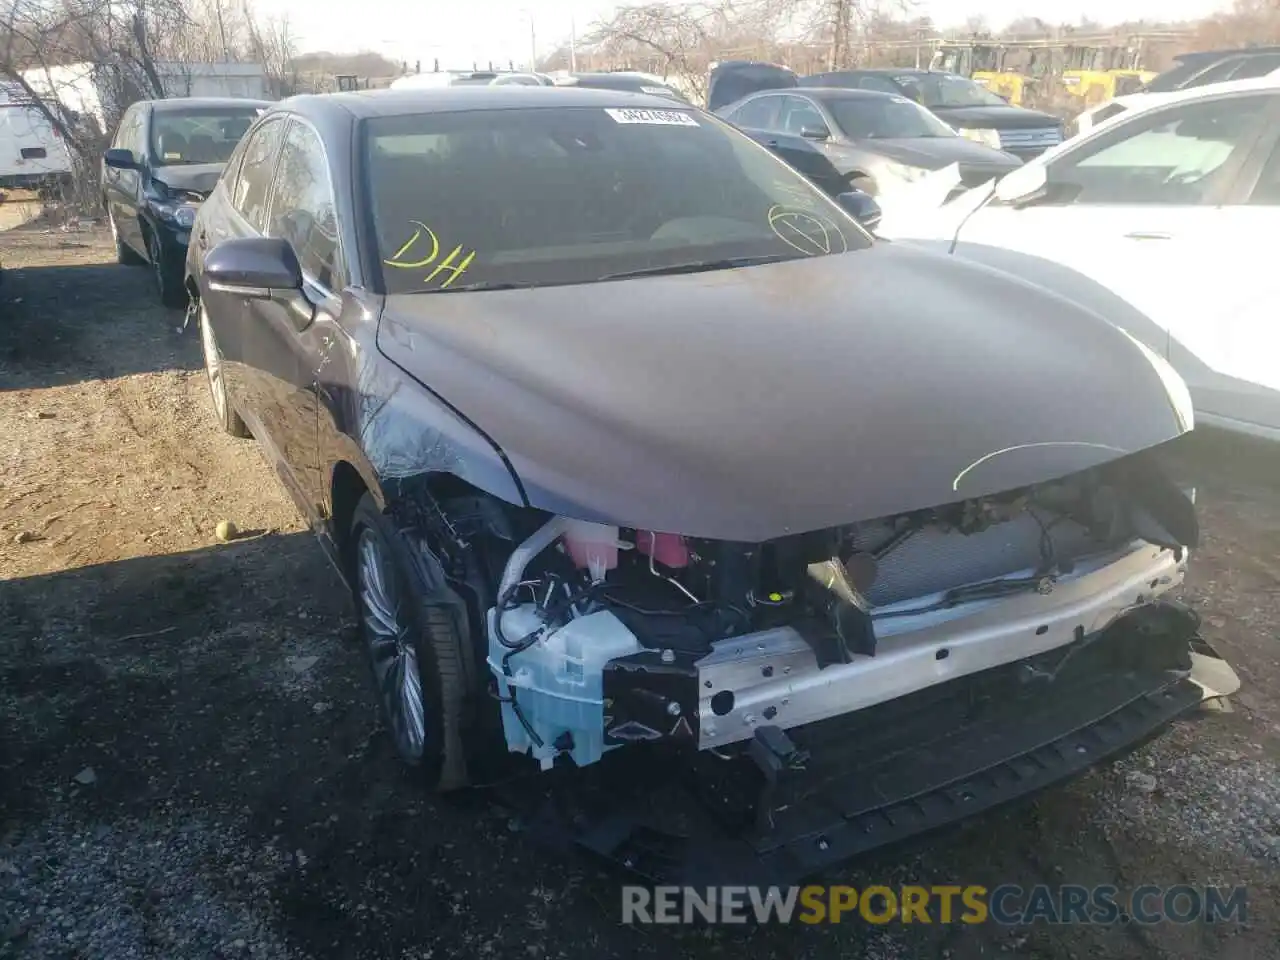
point(264, 268)
point(260, 268)
point(815, 133)
point(1024, 185)
point(119, 158)
point(861, 206)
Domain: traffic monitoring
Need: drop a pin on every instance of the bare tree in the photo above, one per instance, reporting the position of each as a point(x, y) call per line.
point(125, 50)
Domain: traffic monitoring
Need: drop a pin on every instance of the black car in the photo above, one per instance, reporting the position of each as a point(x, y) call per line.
point(1200, 67)
point(873, 141)
point(637, 451)
point(164, 159)
point(968, 107)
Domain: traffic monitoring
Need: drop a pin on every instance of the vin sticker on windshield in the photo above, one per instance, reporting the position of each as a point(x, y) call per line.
point(667, 118)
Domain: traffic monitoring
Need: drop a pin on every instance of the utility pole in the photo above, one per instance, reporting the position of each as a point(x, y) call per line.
point(573, 45)
point(533, 46)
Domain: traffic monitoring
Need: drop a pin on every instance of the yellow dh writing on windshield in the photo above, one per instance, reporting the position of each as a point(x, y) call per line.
point(425, 239)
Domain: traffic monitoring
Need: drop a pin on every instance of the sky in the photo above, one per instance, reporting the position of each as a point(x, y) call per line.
point(499, 30)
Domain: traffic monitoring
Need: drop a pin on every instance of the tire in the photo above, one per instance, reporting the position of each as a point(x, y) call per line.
point(865, 184)
point(404, 635)
point(125, 254)
point(167, 274)
point(223, 412)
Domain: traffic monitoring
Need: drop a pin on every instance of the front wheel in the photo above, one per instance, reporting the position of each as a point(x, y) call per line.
point(168, 278)
point(414, 650)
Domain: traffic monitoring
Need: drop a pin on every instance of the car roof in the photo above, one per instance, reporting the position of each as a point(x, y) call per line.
point(363, 104)
point(1224, 54)
point(836, 93)
point(186, 103)
point(1147, 100)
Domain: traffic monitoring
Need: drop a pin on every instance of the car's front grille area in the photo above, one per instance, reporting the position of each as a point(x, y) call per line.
point(1038, 138)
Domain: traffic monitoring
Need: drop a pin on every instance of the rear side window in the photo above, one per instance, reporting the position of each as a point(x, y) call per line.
point(1258, 66)
point(1227, 70)
point(254, 182)
point(880, 84)
point(760, 113)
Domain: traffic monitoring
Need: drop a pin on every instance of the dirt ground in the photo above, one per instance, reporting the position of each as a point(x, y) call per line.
point(191, 766)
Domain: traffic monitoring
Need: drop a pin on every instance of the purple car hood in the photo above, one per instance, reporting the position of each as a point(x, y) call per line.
point(752, 403)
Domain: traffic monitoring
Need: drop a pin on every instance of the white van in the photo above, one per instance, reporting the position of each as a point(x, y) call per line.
point(31, 152)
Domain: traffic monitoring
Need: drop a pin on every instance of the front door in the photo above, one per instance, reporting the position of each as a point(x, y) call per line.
point(288, 337)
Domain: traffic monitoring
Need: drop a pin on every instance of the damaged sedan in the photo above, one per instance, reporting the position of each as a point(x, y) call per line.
point(633, 445)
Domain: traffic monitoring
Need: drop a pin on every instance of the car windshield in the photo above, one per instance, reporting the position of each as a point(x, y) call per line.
point(885, 118)
point(948, 90)
point(562, 195)
point(198, 135)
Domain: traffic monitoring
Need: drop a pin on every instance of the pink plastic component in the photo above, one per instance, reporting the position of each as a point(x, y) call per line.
point(669, 549)
point(593, 546)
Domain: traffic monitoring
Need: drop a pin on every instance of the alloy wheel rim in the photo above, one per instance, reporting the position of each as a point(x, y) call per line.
point(212, 364)
point(391, 651)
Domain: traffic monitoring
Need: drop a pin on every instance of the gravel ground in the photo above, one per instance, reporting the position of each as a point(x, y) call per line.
point(190, 765)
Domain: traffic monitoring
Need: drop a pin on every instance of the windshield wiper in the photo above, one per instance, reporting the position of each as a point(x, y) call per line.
point(697, 266)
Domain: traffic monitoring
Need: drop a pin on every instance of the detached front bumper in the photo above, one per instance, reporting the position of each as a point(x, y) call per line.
point(888, 772)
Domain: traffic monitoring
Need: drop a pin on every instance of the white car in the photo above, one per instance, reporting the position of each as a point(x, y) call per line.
point(1160, 219)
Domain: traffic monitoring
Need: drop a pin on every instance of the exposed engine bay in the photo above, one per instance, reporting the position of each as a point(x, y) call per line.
point(605, 635)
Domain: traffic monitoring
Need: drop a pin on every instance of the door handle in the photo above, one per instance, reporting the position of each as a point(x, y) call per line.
point(1148, 235)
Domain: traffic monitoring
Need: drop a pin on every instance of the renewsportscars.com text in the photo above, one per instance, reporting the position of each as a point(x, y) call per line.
point(943, 904)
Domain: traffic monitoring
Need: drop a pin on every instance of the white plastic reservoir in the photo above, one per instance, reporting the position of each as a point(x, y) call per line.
point(558, 681)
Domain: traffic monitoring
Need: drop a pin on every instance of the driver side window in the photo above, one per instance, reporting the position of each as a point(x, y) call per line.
point(800, 114)
point(1187, 155)
point(302, 209)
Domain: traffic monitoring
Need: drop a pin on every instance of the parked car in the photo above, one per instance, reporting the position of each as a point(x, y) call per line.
point(446, 78)
point(1190, 70)
point(874, 141)
point(522, 80)
point(623, 433)
point(1155, 217)
point(969, 108)
point(164, 159)
point(625, 80)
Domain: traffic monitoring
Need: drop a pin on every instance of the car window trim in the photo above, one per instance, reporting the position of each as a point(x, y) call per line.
point(271, 202)
point(1113, 135)
point(1250, 172)
point(817, 108)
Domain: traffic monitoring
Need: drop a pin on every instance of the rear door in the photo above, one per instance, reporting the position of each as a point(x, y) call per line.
point(1142, 217)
